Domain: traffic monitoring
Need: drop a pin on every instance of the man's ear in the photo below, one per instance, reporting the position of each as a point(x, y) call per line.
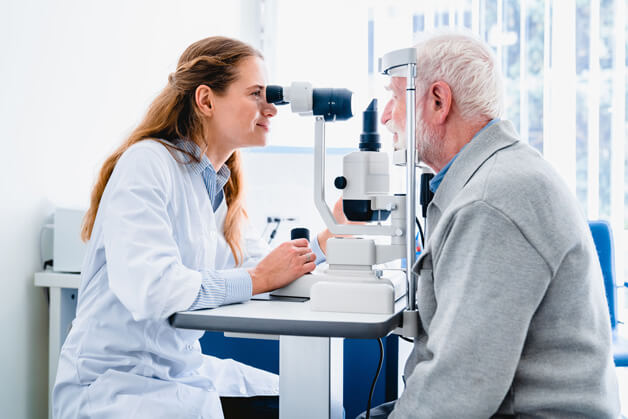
point(439, 101)
point(204, 98)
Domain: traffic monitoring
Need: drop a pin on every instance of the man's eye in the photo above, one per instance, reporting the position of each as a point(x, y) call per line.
point(257, 93)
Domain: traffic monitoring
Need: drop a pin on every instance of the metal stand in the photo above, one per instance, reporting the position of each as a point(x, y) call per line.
point(304, 369)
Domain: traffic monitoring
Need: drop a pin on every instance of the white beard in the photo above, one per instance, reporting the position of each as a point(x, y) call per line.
point(399, 140)
point(429, 142)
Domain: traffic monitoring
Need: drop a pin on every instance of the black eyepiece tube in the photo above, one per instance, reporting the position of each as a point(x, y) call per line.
point(274, 95)
point(332, 104)
point(369, 139)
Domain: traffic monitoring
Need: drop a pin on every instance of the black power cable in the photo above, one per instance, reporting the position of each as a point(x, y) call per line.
point(407, 339)
point(379, 368)
point(274, 231)
point(420, 233)
point(278, 221)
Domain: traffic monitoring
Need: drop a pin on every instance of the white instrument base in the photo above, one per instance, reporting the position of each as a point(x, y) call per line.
point(358, 295)
point(348, 291)
point(299, 287)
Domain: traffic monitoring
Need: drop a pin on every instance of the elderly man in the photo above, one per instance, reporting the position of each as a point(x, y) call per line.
point(510, 296)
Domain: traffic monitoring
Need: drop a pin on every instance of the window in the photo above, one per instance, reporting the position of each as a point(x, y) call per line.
point(564, 65)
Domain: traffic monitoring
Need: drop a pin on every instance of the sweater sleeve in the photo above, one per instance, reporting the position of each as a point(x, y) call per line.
point(488, 282)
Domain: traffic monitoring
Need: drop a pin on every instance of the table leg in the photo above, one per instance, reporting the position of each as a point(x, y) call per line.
point(310, 377)
point(54, 335)
point(62, 312)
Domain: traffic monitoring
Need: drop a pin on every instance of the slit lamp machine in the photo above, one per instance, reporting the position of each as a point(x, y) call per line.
point(351, 283)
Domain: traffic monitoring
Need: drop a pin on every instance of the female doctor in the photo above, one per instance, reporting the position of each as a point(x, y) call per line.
point(166, 233)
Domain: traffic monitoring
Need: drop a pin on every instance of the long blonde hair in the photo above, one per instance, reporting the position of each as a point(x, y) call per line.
point(172, 117)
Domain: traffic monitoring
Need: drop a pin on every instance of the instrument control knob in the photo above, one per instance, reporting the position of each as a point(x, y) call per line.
point(340, 182)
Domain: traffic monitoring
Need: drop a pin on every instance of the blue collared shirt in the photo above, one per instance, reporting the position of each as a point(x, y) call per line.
point(214, 182)
point(436, 180)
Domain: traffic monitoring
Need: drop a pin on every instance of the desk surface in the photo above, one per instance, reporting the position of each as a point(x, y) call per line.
point(289, 318)
point(57, 279)
point(274, 317)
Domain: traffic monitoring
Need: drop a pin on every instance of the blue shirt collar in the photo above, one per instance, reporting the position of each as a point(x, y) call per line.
point(436, 180)
point(204, 163)
point(214, 182)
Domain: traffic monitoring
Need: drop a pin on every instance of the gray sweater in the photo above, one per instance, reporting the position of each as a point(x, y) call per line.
point(511, 300)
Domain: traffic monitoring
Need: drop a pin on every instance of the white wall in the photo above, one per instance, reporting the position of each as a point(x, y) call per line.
point(279, 184)
point(75, 77)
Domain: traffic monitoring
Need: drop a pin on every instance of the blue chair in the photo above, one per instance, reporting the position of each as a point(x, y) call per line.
point(603, 239)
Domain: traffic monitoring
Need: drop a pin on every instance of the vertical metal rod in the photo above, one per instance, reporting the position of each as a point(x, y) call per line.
point(410, 185)
point(319, 162)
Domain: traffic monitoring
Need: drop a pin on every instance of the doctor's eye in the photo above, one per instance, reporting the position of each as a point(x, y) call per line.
point(257, 93)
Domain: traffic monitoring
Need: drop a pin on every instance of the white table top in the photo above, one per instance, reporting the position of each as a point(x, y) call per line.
point(274, 317)
point(57, 279)
point(278, 317)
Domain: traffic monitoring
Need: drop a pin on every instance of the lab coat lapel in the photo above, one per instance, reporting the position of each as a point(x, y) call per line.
point(221, 252)
point(212, 250)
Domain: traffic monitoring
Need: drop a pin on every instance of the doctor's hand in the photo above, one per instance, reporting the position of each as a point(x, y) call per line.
point(287, 262)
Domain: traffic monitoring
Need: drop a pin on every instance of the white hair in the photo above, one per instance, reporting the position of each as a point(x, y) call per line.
point(468, 66)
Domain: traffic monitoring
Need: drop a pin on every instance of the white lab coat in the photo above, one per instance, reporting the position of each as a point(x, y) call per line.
point(154, 232)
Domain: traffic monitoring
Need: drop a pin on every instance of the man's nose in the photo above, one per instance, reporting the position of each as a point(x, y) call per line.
point(387, 114)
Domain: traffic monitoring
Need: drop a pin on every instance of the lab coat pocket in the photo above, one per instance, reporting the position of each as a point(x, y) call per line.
point(117, 394)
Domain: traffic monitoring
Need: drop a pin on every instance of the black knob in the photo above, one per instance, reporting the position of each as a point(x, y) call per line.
point(300, 233)
point(340, 182)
